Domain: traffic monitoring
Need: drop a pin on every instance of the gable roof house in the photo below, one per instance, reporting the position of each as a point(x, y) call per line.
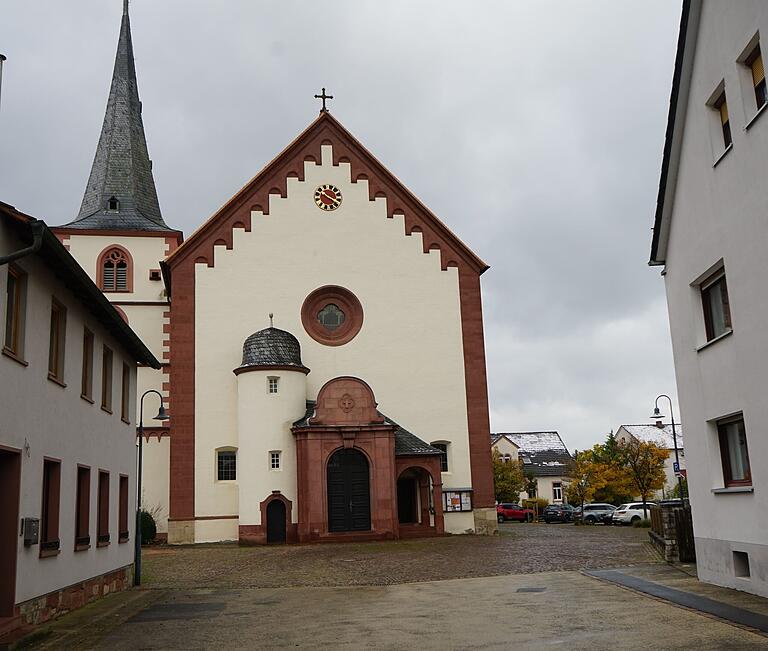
point(542, 454)
point(661, 436)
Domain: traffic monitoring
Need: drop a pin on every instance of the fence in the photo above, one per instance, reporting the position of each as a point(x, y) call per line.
point(672, 532)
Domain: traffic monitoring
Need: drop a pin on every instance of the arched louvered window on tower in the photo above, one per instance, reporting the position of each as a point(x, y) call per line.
point(115, 270)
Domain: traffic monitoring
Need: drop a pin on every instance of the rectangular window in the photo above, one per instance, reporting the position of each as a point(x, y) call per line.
point(272, 384)
point(123, 517)
point(557, 491)
point(226, 462)
point(721, 105)
point(755, 63)
point(86, 386)
point(443, 447)
point(714, 299)
point(49, 515)
point(106, 380)
point(57, 341)
point(733, 452)
point(125, 394)
point(15, 309)
point(274, 460)
point(83, 509)
point(103, 520)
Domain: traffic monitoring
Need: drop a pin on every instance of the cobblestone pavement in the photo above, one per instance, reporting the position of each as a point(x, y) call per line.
point(520, 549)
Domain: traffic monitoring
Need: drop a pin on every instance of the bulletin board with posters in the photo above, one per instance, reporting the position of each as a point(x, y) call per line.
point(455, 501)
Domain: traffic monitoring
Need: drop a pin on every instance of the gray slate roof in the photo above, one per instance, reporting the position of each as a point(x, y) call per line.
point(121, 167)
point(272, 347)
point(406, 443)
point(542, 453)
point(651, 433)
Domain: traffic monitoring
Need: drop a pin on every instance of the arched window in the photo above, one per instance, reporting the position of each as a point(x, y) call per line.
point(115, 270)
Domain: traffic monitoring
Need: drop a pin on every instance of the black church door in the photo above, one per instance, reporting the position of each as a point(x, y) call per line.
point(349, 493)
point(276, 522)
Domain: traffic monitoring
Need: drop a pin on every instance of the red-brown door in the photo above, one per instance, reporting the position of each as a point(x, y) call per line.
point(10, 482)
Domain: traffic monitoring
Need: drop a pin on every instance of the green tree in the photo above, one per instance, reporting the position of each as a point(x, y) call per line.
point(644, 463)
point(618, 484)
point(588, 476)
point(507, 479)
point(531, 485)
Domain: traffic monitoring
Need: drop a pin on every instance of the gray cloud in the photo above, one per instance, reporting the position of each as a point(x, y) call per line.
point(533, 129)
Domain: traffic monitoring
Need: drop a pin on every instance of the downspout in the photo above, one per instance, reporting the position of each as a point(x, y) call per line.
point(37, 241)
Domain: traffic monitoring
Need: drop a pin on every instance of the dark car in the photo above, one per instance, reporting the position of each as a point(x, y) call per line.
point(558, 513)
point(595, 513)
point(507, 511)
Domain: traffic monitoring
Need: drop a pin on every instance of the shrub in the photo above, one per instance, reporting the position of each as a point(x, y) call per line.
point(645, 524)
point(148, 527)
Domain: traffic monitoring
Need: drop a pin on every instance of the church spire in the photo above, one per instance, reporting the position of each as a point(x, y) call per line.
point(121, 193)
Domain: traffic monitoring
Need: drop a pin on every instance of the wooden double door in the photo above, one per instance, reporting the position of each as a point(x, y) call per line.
point(349, 492)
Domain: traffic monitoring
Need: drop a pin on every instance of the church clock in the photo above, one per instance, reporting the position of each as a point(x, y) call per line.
point(328, 197)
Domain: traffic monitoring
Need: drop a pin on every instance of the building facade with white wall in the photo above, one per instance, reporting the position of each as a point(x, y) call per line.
point(711, 236)
point(67, 430)
point(662, 436)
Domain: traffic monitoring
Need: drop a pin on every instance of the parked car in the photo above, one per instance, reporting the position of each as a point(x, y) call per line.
point(631, 512)
point(507, 511)
point(595, 513)
point(558, 513)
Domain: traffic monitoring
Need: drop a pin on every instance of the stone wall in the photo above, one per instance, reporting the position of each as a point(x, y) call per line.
point(50, 606)
point(663, 533)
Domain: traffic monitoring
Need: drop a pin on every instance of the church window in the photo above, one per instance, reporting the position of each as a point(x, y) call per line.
point(331, 316)
point(226, 463)
point(115, 272)
point(274, 460)
point(273, 384)
point(113, 204)
point(443, 447)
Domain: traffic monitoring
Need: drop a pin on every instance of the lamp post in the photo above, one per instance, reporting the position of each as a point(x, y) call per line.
point(161, 415)
point(3, 58)
point(659, 416)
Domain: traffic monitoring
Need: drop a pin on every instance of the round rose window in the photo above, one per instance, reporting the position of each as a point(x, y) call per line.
point(332, 315)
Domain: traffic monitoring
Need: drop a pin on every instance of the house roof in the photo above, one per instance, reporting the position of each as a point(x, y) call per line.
point(56, 257)
point(271, 347)
point(326, 129)
point(678, 105)
point(406, 443)
point(650, 433)
point(121, 167)
point(543, 453)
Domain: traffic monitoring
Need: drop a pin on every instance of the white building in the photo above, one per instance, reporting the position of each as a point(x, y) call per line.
point(661, 436)
point(543, 455)
point(275, 433)
point(67, 431)
point(711, 235)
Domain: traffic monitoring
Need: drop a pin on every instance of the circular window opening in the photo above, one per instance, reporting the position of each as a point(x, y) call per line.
point(332, 315)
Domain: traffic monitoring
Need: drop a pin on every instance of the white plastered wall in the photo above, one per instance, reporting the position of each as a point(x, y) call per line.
point(410, 347)
point(55, 422)
point(147, 321)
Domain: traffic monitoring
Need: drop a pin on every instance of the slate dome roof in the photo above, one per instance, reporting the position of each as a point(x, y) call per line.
point(272, 347)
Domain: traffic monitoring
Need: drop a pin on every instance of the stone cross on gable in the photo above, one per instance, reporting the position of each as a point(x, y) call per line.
point(323, 97)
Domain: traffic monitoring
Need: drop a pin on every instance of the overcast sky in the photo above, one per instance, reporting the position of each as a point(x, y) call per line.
point(534, 129)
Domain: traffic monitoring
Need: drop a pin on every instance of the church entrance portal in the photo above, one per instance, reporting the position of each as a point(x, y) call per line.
point(407, 511)
point(349, 496)
point(276, 522)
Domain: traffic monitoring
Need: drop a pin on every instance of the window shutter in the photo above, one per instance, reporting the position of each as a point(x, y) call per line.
point(108, 276)
point(121, 281)
point(723, 111)
point(758, 72)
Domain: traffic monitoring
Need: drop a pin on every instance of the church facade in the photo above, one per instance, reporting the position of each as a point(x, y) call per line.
point(322, 341)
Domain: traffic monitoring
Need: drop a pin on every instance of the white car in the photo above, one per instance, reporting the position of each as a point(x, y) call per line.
point(631, 512)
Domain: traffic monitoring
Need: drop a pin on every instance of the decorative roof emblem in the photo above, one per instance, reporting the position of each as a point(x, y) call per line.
point(347, 403)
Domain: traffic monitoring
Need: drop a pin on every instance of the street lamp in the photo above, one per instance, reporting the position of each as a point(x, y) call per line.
point(659, 416)
point(161, 415)
point(3, 58)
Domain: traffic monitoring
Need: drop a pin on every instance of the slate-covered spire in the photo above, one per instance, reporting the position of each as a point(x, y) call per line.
point(121, 194)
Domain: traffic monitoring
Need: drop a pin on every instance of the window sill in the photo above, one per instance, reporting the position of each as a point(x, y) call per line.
point(102, 544)
point(81, 548)
point(57, 380)
point(727, 333)
point(760, 111)
point(106, 409)
point(125, 420)
point(9, 353)
point(723, 155)
point(122, 540)
point(87, 399)
point(47, 553)
point(733, 489)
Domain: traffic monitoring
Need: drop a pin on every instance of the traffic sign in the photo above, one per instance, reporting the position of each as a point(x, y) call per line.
point(676, 466)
